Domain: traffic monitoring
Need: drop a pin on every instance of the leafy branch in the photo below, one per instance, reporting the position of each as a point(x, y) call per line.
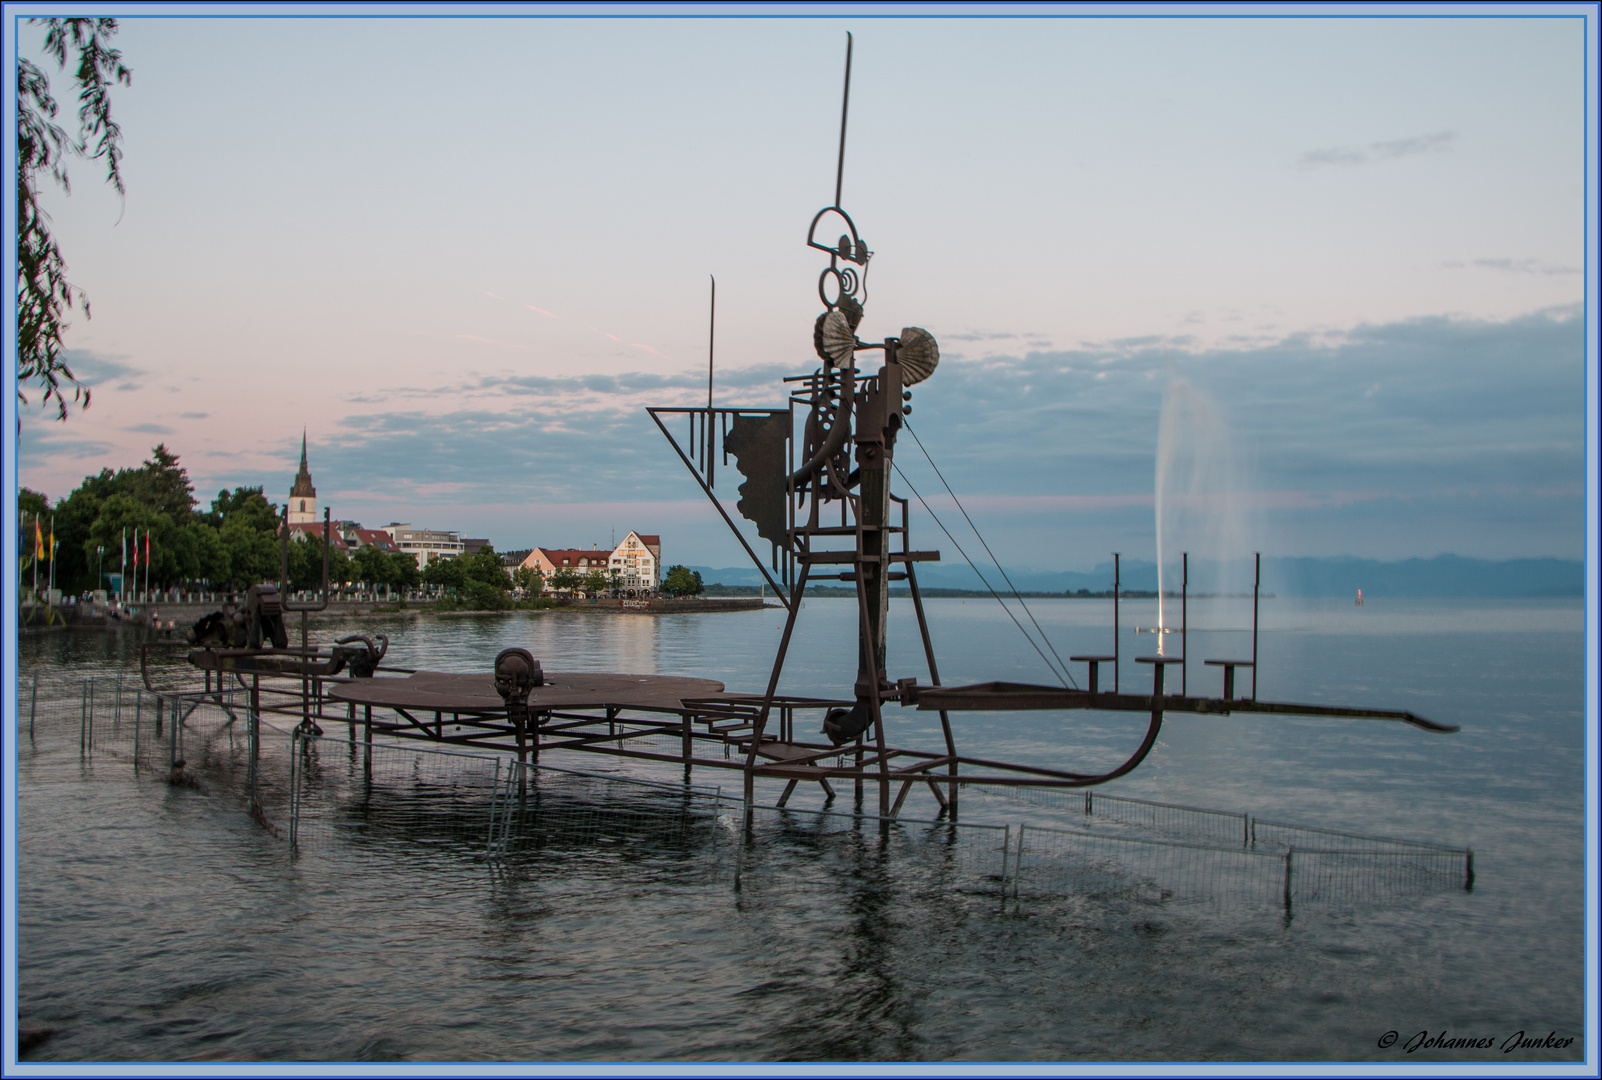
point(45, 298)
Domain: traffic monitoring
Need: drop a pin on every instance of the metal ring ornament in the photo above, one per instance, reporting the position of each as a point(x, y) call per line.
point(839, 284)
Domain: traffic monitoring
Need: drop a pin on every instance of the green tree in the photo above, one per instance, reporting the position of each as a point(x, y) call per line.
point(162, 484)
point(44, 296)
point(404, 572)
point(247, 532)
point(682, 581)
point(566, 579)
point(485, 566)
point(370, 566)
point(32, 504)
point(211, 559)
point(447, 573)
point(529, 579)
point(595, 582)
point(306, 564)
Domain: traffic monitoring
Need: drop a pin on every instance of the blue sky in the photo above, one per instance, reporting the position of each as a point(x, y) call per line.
point(464, 254)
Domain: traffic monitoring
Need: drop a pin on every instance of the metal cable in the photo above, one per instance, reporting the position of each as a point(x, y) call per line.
point(999, 600)
point(992, 555)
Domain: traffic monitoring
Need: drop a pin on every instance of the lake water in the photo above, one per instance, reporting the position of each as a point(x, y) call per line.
point(158, 923)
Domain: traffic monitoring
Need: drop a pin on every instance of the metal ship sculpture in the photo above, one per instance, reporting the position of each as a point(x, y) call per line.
point(816, 486)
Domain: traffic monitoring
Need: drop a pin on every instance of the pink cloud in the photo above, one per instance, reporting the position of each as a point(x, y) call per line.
point(542, 311)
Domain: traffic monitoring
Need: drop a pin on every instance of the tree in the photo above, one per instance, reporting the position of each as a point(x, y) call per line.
point(595, 582)
point(162, 484)
point(485, 566)
point(529, 579)
point(449, 573)
point(247, 532)
point(306, 564)
point(682, 581)
point(371, 567)
point(32, 504)
point(404, 572)
point(566, 579)
point(44, 296)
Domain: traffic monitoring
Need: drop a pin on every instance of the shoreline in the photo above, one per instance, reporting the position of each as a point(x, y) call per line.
point(178, 617)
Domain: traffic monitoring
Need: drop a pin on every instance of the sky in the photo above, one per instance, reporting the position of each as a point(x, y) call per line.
point(464, 254)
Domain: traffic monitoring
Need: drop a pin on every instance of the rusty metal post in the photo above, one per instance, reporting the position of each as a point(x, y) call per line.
point(1257, 581)
point(1115, 621)
point(255, 738)
point(875, 443)
point(934, 679)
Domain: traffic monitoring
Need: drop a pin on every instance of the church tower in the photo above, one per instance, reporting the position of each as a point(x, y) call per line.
point(303, 497)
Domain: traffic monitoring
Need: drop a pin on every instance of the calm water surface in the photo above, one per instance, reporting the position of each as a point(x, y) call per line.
point(161, 923)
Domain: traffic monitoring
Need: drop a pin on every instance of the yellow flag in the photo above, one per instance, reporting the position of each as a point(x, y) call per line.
point(38, 540)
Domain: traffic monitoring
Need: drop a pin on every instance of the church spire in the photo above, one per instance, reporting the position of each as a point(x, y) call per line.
point(303, 482)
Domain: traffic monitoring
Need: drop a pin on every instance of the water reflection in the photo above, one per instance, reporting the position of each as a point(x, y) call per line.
point(157, 923)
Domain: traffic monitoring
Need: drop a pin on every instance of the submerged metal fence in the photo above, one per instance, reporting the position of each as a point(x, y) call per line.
point(388, 798)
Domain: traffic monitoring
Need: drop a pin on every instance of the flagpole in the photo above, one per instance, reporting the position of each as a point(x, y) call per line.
point(36, 546)
point(122, 568)
point(52, 553)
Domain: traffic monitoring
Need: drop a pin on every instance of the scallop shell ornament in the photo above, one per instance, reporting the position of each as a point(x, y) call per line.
point(918, 355)
point(834, 340)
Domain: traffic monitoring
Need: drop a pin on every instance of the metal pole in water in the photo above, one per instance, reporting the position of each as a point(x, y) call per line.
point(1006, 853)
point(495, 795)
point(33, 704)
point(1288, 853)
point(1184, 628)
point(255, 735)
point(1017, 862)
point(1116, 582)
point(294, 788)
point(1257, 581)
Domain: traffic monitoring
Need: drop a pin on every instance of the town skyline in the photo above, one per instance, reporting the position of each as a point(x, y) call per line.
point(1362, 241)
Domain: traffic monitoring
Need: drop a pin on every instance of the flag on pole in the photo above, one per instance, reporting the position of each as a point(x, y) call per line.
point(52, 538)
point(38, 539)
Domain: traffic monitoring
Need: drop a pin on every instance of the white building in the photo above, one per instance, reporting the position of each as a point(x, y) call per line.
point(426, 544)
point(638, 562)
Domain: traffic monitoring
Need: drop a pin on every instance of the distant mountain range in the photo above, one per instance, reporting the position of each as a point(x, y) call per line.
point(1444, 575)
